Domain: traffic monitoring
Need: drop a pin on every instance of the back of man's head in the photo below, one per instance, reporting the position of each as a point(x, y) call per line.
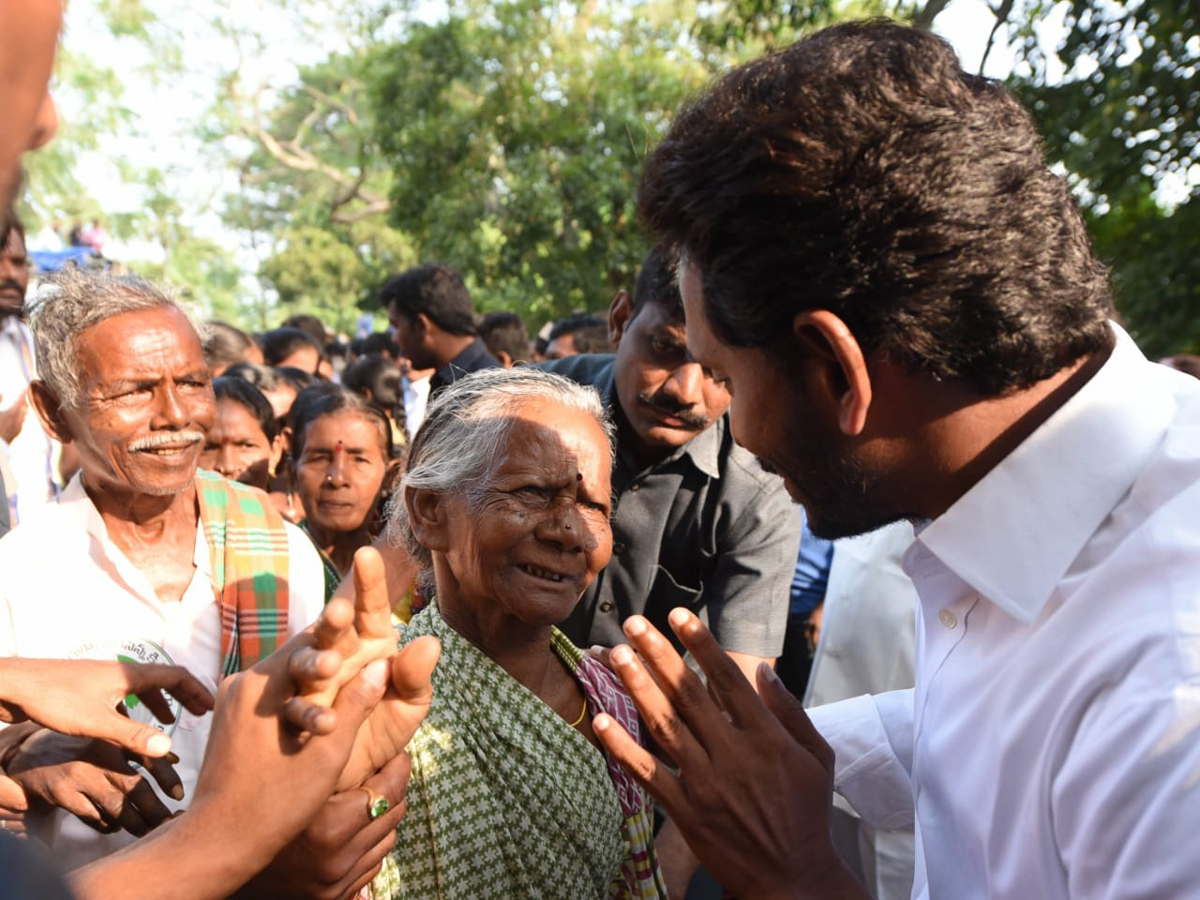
point(437, 291)
point(862, 171)
point(505, 336)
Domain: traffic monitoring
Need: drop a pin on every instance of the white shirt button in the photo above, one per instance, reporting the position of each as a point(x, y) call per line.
point(948, 618)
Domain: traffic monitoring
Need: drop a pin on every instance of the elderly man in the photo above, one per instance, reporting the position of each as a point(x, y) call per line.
point(904, 301)
point(142, 559)
point(698, 522)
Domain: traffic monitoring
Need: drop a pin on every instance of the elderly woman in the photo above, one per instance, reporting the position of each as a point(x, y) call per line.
point(505, 505)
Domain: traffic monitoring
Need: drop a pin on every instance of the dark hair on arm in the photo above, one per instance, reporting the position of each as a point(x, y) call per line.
point(862, 171)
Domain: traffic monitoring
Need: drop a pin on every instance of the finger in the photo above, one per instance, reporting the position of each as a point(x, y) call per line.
point(334, 629)
point(351, 706)
point(370, 863)
point(313, 669)
point(651, 774)
point(678, 710)
point(137, 737)
point(601, 655)
point(138, 810)
point(733, 693)
point(412, 670)
point(305, 716)
point(158, 706)
point(163, 771)
point(149, 679)
point(372, 607)
point(791, 715)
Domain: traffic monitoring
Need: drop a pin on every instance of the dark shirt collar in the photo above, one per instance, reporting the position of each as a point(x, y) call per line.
point(472, 358)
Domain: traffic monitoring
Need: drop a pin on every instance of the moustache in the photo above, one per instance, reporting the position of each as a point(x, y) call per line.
point(9, 285)
point(666, 405)
point(151, 441)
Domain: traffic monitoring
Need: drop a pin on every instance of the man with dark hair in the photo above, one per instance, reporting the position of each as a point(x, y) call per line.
point(430, 308)
point(698, 522)
point(506, 338)
point(581, 333)
point(905, 305)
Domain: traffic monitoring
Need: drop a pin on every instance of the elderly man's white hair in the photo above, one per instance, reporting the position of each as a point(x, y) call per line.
point(464, 431)
point(74, 300)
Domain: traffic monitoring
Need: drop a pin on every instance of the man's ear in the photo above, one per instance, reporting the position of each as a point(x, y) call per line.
point(619, 315)
point(427, 518)
point(423, 327)
point(49, 410)
point(839, 369)
point(278, 445)
point(504, 358)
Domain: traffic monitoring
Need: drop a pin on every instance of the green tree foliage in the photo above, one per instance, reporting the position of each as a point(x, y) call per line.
point(1125, 123)
point(515, 133)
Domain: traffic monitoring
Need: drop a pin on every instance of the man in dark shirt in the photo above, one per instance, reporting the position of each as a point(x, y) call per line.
point(697, 522)
point(431, 310)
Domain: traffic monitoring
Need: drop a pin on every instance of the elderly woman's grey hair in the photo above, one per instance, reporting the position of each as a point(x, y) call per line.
point(463, 435)
point(73, 300)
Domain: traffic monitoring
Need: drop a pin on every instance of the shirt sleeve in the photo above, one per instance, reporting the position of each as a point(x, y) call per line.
point(748, 593)
point(306, 580)
point(872, 740)
point(1126, 800)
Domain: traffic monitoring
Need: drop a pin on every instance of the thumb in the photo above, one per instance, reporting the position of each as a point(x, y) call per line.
point(360, 695)
point(412, 669)
point(789, 711)
point(135, 736)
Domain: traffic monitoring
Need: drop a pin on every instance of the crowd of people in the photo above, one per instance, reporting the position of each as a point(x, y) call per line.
point(859, 489)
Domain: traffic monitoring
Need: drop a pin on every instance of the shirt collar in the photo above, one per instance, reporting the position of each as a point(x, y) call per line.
point(1015, 533)
point(467, 361)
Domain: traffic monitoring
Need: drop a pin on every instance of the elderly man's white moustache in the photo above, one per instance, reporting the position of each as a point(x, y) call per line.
point(173, 438)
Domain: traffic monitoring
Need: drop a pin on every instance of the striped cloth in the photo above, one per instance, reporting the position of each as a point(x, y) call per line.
point(506, 801)
point(249, 556)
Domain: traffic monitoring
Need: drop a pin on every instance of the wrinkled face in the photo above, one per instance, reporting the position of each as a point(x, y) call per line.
point(28, 35)
point(14, 274)
point(665, 396)
point(237, 447)
point(538, 531)
point(340, 471)
point(771, 416)
point(147, 406)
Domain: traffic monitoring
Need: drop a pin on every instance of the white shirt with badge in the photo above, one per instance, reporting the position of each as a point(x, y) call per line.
point(1051, 746)
point(68, 592)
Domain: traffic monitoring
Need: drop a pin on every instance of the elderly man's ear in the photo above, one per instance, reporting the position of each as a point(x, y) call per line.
point(427, 518)
point(49, 410)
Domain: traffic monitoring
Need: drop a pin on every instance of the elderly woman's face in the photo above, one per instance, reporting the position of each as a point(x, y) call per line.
point(535, 540)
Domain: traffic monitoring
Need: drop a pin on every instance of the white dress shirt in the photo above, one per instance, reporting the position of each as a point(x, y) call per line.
point(1051, 747)
point(68, 592)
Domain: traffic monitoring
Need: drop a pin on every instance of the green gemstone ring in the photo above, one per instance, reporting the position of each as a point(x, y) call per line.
point(377, 804)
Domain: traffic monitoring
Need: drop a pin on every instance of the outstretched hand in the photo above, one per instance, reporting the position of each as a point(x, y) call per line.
point(354, 629)
point(753, 793)
point(82, 698)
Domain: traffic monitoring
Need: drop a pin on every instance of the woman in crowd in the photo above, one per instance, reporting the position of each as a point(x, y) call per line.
point(342, 455)
point(506, 507)
point(244, 443)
